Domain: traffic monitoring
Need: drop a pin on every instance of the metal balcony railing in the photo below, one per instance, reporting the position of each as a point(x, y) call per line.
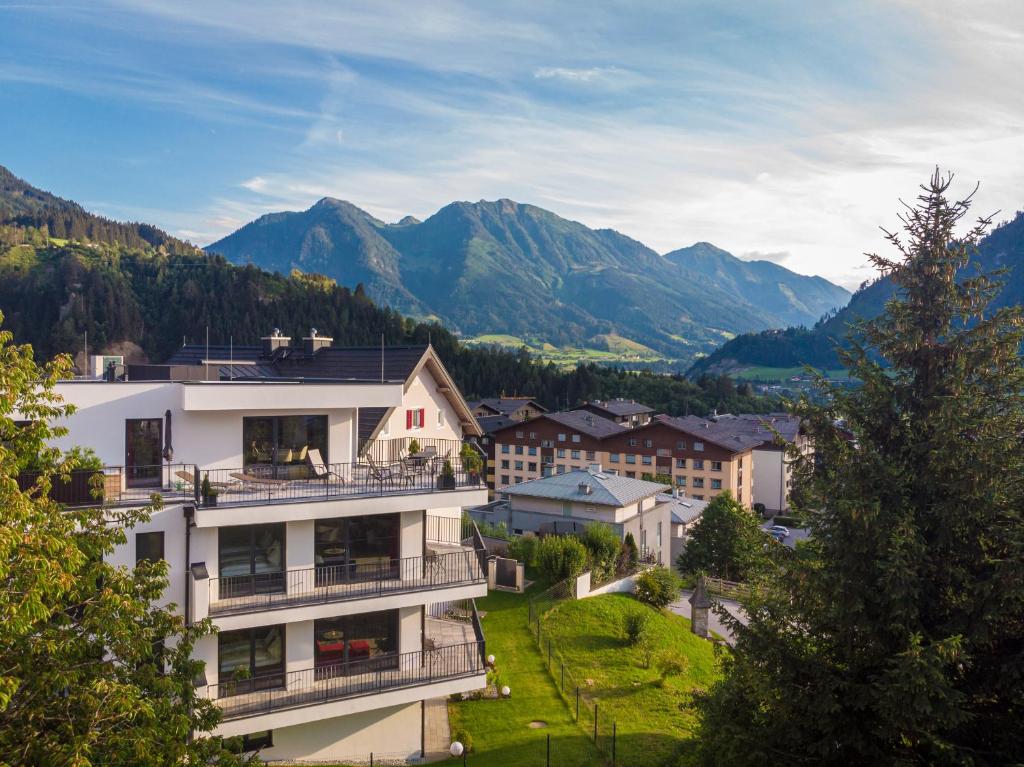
point(326, 683)
point(338, 583)
point(276, 484)
point(115, 484)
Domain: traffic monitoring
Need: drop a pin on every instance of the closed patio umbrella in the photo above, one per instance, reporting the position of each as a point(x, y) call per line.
point(168, 449)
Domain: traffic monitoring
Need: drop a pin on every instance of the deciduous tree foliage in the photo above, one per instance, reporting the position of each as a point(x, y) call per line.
point(91, 673)
point(896, 636)
point(726, 542)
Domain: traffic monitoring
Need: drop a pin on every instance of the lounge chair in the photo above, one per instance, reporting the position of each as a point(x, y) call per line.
point(187, 476)
point(256, 482)
point(320, 470)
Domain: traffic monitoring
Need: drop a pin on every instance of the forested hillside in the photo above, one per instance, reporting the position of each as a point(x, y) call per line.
point(1000, 254)
point(145, 300)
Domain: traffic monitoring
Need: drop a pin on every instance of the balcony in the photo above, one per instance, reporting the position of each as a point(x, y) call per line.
point(442, 569)
point(247, 486)
point(437, 662)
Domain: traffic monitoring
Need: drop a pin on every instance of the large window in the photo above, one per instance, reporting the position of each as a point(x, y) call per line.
point(355, 644)
point(283, 440)
point(250, 659)
point(357, 548)
point(143, 443)
point(252, 559)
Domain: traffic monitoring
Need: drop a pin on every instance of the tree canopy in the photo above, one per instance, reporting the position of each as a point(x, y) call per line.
point(895, 635)
point(727, 542)
point(91, 672)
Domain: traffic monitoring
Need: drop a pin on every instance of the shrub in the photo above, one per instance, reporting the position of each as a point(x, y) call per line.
point(560, 557)
point(494, 530)
point(634, 552)
point(787, 521)
point(633, 625)
point(524, 549)
point(471, 461)
point(603, 545)
point(464, 738)
point(645, 647)
point(658, 587)
point(671, 663)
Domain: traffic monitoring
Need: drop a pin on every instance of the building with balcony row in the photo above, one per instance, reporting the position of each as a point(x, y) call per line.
point(298, 515)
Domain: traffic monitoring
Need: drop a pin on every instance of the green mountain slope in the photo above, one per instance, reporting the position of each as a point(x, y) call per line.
point(143, 299)
point(791, 298)
point(1002, 249)
point(503, 267)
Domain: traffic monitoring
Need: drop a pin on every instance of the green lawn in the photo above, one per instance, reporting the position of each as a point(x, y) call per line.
point(500, 728)
point(653, 722)
point(781, 374)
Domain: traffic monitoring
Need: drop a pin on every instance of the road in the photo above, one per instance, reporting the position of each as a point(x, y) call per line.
point(734, 608)
point(795, 534)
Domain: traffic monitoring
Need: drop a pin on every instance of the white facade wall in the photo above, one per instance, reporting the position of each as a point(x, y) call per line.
point(396, 729)
point(207, 432)
point(771, 476)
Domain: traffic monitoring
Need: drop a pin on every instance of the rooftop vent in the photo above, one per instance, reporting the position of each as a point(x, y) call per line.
point(594, 468)
point(585, 489)
point(314, 342)
point(276, 340)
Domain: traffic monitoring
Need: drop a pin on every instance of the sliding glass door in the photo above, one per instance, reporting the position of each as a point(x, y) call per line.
point(357, 548)
point(250, 659)
point(355, 644)
point(252, 560)
point(271, 442)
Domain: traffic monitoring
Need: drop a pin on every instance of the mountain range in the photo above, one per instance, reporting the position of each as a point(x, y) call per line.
point(1002, 250)
point(518, 270)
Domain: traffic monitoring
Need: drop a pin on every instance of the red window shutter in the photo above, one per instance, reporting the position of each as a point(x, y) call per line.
point(423, 418)
point(408, 419)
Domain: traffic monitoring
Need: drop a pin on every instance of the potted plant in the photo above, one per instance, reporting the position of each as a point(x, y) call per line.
point(208, 492)
point(446, 480)
point(471, 463)
point(414, 446)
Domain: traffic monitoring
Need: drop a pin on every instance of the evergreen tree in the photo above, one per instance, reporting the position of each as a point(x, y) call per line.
point(91, 673)
point(727, 542)
point(896, 636)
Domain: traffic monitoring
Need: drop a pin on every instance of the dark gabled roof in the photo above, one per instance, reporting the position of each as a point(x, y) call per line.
point(369, 420)
point(764, 427)
point(364, 363)
point(586, 422)
point(506, 405)
point(351, 363)
point(708, 431)
point(492, 423)
point(620, 407)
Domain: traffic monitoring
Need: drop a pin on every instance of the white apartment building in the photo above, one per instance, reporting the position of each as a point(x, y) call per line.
point(329, 558)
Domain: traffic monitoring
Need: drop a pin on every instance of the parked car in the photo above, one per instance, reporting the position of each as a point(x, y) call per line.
point(774, 534)
point(783, 531)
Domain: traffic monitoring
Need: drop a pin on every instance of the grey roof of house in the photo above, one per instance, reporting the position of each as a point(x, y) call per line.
point(683, 509)
point(506, 405)
point(762, 427)
point(605, 489)
point(586, 422)
point(705, 430)
point(621, 407)
point(492, 423)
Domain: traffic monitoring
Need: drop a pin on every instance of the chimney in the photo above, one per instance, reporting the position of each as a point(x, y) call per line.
point(314, 342)
point(595, 468)
point(276, 340)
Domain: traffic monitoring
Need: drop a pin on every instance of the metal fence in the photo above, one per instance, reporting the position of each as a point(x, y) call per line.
point(573, 685)
point(387, 450)
point(336, 583)
point(319, 684)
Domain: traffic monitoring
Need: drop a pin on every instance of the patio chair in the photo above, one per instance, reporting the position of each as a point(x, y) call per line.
point(320, 470)
point(388, 474)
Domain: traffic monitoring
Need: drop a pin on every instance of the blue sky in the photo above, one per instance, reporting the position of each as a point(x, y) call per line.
point(782, 130)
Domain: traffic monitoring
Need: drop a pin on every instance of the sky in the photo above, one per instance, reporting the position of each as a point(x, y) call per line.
point(787, 131)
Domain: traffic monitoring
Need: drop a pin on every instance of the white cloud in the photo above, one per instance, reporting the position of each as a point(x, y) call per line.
point(574, 75)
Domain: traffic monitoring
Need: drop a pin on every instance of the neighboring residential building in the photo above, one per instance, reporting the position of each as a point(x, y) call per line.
point(685, 513)
point(516, 408)
point(567, 503)
point(701, 459)
point(772, 468)
point(333, 573)
point(553, 443)
point(625, 411)
point(489, 425)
